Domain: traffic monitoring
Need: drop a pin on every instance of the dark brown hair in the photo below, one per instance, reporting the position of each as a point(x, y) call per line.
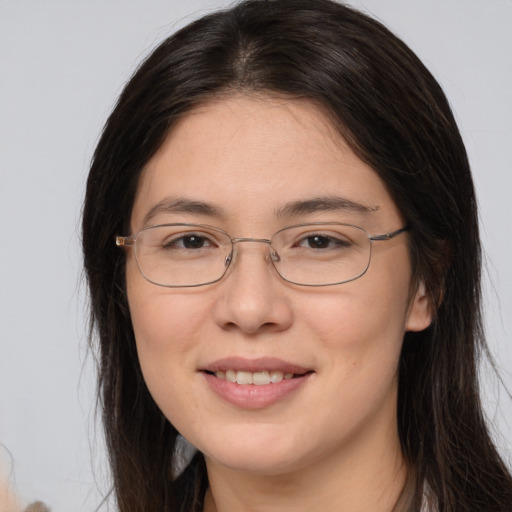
point(395, 116)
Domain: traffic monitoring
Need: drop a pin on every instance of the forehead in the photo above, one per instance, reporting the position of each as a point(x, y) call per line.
point(249, 156)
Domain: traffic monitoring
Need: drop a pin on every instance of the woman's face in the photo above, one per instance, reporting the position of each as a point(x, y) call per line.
point(255, 166)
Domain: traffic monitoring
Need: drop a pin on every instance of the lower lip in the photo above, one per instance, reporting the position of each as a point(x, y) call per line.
point(251, 396)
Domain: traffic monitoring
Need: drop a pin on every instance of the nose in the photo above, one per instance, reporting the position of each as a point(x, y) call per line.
point(252, 297)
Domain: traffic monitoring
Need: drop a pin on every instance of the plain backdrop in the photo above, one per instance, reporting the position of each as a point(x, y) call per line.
point(62, 64)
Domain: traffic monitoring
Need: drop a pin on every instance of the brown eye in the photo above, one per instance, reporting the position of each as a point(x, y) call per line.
point(188, 241)
point(193, 241)
point(317, 241)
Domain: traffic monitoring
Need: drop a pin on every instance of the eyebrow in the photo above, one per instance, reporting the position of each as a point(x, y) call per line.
point(294, 208)
point(183, 205)
point(323, 204)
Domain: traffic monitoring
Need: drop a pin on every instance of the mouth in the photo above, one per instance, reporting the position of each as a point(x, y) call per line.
point(255, 383)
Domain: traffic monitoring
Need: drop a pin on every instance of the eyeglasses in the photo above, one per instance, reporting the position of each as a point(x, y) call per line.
point(315, 254)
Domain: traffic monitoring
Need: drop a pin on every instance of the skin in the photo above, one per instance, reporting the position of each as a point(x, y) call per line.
point(331, 445)
point(9, 502)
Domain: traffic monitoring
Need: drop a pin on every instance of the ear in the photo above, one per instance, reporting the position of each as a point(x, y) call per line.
point(420, 310)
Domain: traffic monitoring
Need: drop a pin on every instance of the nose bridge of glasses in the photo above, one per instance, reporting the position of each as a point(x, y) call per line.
point(273, 256)
point(260, 240)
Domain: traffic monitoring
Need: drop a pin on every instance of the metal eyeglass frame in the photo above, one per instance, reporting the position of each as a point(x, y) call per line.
point(130, 241)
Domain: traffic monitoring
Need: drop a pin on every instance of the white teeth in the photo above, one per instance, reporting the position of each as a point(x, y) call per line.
point(276, 376)
point(244, 377)
point(260, 378)
point(256, 378)
point(230, 376)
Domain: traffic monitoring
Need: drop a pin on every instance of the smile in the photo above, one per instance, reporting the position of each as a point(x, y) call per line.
point(255, 383)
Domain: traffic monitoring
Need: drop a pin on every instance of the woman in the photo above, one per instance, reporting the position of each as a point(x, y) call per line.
point(294, 286)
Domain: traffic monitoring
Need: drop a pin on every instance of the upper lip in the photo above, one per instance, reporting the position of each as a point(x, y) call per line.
point(255, 365)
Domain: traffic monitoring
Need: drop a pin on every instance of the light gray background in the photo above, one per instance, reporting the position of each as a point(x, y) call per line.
point(62, 64)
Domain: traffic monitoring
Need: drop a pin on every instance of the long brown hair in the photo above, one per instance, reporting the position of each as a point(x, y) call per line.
point(394, 115)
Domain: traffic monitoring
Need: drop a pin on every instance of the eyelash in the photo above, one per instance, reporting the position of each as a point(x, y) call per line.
point(179, 241)
point(330, 239)
point(306, 242)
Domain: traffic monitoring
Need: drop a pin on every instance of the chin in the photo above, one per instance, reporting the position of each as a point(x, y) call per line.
point(263, 465)
point(264, 454)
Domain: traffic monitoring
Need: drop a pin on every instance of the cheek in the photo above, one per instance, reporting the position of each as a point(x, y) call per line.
point(162, 318)
point(360, 327)
point(166, 326)
point(166, 331)
point(359, 335)
point(355, 320)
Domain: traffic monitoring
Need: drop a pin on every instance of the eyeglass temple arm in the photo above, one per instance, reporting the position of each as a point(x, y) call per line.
point(125, 241)
point(388, 236)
